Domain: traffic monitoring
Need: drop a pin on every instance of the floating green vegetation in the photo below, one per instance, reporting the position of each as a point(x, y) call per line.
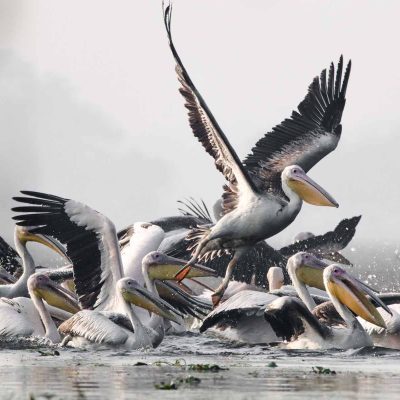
point(180, 362)
point(254, 374)
point(323, 371)
point(49, 352)
point(140, 364)
point(206, 368)
point(272, 364)
point(175, 384)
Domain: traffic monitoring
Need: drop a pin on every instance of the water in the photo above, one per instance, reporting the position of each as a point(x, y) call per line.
point(368, 373)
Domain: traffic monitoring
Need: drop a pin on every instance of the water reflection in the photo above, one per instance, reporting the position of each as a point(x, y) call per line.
point(366, 374)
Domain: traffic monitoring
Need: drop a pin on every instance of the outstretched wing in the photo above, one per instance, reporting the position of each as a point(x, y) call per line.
point(329, 244)
point(206, 128)
point(307, 136)
point(90, 239)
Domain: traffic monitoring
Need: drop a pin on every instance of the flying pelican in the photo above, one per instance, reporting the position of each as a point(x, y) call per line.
point(28, 317)
point(254, 265)
point(291, 319)
point(91, 244)
point(21, 237)
point(264, 194)
point(168, 235)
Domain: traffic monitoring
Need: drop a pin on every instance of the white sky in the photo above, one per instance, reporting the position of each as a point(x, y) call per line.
point(89, 107)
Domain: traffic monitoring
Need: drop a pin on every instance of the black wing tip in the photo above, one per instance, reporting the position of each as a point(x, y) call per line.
point(195, 208)
point(167, 13)
point(39, 195)
point(353, 221)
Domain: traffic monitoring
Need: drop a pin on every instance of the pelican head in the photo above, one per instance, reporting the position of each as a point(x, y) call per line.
point(23, 235)
point(134, 293)
point(55, 295)
point(160, 266)
point(308, 268)
point(303, 236)
point(308, 190)
point(353, 294)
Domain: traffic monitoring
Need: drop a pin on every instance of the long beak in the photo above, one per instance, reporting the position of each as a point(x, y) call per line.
point(352, 293)
point(171, 292)
point(143, 298)
point(57, 296)
point(312, 273)
point(45, 240)
point(311, 192)
point(171, 267)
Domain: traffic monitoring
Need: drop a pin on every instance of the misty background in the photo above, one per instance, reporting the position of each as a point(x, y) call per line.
point(90, 109)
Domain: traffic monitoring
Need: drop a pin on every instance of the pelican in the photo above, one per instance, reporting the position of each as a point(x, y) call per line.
point(241, 317)
point(264, 193)
point(21, 237)
point(30, 317)
point(291, 319)
point(254, 265)
point(121, 329)
point(167, 234)
point(91, 244)
point(390, 336)
point(142, 238)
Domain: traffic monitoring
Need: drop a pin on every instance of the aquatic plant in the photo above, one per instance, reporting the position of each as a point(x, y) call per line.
point(206, 368)
point(49, 352)
point(323, 371)
point(175, 384)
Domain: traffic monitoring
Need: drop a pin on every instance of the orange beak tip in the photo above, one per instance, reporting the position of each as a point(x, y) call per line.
point(181, 275)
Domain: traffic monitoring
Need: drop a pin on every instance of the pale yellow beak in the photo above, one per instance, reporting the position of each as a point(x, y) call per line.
point(311, 276)
point(25, 236)
point(144, 299)
point(54, 294)
point(166, 268)
point(311, 271)
point(311, 192)
point(354, 298)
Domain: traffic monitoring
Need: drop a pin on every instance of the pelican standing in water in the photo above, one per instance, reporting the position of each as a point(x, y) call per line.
point(30, 317)
point(264, 194)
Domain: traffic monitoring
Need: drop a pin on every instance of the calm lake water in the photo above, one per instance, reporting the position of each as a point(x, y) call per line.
point(368, 373)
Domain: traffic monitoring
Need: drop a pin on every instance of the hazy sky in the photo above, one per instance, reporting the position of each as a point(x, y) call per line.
point(89, 107)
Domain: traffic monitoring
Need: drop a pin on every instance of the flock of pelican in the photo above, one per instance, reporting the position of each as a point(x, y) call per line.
point(130, 288)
